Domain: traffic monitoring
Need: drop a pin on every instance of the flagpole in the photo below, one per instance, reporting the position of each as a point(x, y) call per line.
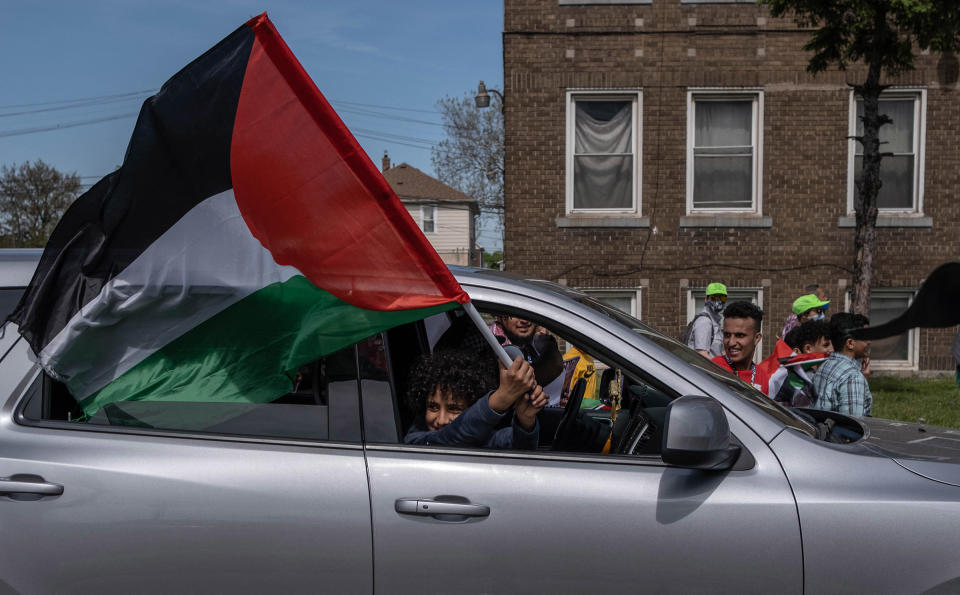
point(487, 334)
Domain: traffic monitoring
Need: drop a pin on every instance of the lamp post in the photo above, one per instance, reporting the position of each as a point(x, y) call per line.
point(482, 98)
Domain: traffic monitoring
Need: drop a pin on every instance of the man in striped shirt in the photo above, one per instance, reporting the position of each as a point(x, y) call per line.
point(839, 383)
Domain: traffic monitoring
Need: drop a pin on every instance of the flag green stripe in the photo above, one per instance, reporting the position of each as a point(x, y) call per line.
point(250, 351)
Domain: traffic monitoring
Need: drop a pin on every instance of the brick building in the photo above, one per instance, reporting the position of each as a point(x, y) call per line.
point(654, 147)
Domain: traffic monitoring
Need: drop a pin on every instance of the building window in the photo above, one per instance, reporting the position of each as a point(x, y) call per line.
point(901, 172)
point(603, 148)
point(697, 296)
point(724, 151)
point(428, 218)
point(625, 300)
point(898, 352)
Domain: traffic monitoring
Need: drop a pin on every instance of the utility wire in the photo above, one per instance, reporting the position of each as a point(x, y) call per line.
point(35, 129)
point(412, 139)
point(401, 109)
point(71, 106)
point(396, 142)
point(101, 97)
point(348, 110)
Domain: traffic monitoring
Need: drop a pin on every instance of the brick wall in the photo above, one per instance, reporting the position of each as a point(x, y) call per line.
point(665, 48)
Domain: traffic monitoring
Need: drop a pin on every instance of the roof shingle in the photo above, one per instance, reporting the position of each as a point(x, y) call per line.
point(411, 183)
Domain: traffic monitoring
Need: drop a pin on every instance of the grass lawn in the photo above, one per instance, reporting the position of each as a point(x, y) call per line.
point(906, 399)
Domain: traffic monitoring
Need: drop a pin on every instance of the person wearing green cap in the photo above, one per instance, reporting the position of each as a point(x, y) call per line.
point(704, 332)
point(805, 308)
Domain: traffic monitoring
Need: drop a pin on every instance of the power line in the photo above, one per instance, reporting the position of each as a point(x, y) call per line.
point(35, 129)
point(396, 142)
point(348, 110)
point(71, 106)
point(402, 109)
point(115, 96)
point(412, 139)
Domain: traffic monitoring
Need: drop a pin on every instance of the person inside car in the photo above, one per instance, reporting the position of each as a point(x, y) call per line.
point(454, 404)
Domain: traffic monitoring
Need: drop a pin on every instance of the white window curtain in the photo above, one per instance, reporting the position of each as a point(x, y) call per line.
point(723, 154)
point(603, 155)
point(897, 170)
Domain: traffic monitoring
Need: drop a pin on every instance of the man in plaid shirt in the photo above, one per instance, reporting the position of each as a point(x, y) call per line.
point(839, 383)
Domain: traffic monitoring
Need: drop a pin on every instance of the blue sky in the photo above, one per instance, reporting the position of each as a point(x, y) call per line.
point(380, 63)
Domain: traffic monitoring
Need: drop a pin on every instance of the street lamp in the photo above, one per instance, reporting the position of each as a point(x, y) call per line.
point(483, 96)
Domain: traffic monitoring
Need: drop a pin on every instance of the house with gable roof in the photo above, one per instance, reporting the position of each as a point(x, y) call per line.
point(447, 216)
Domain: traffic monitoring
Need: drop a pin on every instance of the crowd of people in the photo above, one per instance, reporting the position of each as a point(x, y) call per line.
point(815, 363)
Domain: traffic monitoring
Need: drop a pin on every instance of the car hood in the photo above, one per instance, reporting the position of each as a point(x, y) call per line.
point(929, 451)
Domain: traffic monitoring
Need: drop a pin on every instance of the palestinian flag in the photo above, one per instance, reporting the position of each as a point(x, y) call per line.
point(246, 234)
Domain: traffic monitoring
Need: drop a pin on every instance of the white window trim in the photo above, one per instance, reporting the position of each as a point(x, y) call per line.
point(634, 94)
point(692, 311)
point(436, 218)
point(719, 93)
point(912, 363)
point(919, 147)
point(631, 292)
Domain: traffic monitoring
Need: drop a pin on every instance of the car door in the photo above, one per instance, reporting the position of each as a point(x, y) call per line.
point(460, 520)
point(247, 505)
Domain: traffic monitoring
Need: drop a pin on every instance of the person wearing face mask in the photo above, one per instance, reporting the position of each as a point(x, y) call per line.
point(704, 334)
point(793, 321)
point(809, 307)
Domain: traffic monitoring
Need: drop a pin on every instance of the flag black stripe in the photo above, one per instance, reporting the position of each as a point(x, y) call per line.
point(179, 154)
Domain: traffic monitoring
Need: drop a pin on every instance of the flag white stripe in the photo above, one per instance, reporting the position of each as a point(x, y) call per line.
point(206, 262)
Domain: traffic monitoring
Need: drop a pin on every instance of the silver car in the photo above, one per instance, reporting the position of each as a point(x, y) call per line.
point(708, 486)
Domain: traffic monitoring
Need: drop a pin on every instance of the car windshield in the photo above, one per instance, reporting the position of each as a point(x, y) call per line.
point(750, 394)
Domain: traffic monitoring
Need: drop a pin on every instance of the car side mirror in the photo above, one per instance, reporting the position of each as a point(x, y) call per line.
point(696, 435)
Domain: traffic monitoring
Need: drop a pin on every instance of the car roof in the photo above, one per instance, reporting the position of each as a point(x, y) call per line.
point(17, 266)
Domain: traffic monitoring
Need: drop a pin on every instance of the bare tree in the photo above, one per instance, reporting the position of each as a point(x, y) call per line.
point(883, 35)
point(33, 196)
point(470, 158)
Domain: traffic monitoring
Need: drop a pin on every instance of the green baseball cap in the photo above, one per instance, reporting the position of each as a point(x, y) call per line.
point(715, 288)
point(807, 302)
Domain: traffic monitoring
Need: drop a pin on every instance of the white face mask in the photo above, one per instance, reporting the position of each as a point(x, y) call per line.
point(820, 316)
point(715, 307)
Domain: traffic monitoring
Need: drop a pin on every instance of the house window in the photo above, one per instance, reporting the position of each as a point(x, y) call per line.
point(901, 173)
point(603, 147)
point(428, 218)
point(723, 151)
point(625, 300)
point(698, 295)
point(892, 352)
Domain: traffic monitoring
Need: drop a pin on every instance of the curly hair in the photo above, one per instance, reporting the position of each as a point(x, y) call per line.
point(461, 373)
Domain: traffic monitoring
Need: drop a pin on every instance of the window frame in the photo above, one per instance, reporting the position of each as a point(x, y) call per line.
point(919, 96)
point(725, 94)
point(346, 410)
point(693, 292)
point(632, 293)
point(423, 218)
point(912, 363)
point(634, 95)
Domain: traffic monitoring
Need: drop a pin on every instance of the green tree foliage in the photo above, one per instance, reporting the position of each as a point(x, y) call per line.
point(470, 158)
point(33, 196)
point(884, 36)
point(492, 260)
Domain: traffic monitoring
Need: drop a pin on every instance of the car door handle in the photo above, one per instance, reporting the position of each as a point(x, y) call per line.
point(29, 484)
point(429, 507)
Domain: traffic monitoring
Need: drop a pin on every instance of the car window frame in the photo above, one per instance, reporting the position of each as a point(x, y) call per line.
point(20, 400)
point(609, 356)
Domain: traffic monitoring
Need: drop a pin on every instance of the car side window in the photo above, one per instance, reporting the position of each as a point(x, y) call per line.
point(594, 405)
point(320, 404)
